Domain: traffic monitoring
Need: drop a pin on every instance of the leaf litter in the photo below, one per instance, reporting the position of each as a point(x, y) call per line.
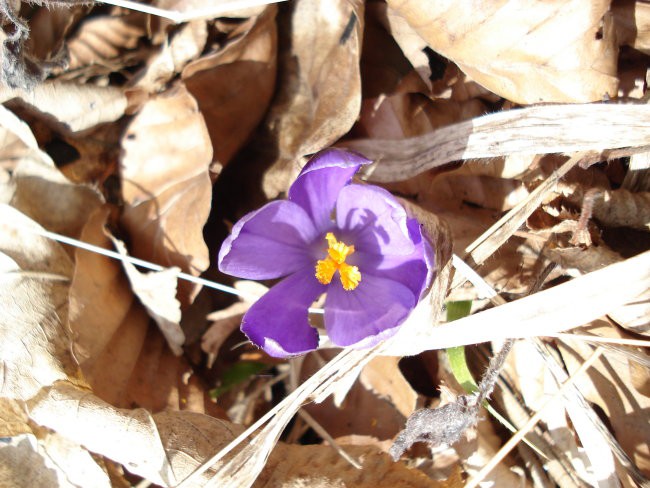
point(517, 135)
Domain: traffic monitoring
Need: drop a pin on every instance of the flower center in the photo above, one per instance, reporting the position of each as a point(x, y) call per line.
point(337, 252)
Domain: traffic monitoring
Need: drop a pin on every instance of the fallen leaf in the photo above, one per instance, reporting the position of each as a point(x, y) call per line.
point(531, 51)
point(157, 292)
point(233, 86)
point(319, 84)
point(166, 186)
point(37, 188)
point(632, 21)
point(26, 461)
point(69, 106)
point(178, 50)
point(34, 284)
point(102, 39)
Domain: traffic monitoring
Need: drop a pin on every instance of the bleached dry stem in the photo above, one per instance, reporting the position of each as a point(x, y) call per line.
point(542, 129)
point(515, 439)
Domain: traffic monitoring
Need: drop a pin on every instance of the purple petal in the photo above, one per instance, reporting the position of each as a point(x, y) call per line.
point(373, 220)
point(414, 271)
point(368, 314)
point(278, 322)
point(320, 181)
point(269, 243)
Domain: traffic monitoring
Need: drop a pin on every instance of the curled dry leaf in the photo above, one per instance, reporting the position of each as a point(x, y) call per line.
point(36, 187)
point(530, 52)
point(319, 84)
point(166, 447)
point(100, 40)
point(157, 292)
point(234, 85)
point(166, 187)
point(632, 20)
point(124, 358)
point(174, 54)
point(69, 106)
point(34, 282)
point(26, 461)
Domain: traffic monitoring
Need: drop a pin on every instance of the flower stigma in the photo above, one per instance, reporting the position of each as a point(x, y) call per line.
point(337, 252)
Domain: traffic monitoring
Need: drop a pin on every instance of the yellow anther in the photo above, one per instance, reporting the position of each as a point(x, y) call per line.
point(337, 252)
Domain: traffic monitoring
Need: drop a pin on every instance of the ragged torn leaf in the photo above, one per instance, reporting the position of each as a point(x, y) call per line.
point(530, 52)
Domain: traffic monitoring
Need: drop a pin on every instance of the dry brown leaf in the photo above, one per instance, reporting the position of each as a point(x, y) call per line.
point(234, 85)
point(13, 418)
point(166, 447)
point(36, 187)
point(383, 376)
point(69, 106)
point(48, 27)
point(632, 21)
point(26, 461)
point(175, 53)
point(129, 437)
point(319, 84)
point(124, 358)
point(35, 345)
point(535, 130)
point(166, 187)
point(101, 39)
point(157, 292)
point(528, 52)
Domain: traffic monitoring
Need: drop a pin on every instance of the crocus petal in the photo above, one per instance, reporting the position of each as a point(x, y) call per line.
point(368, 314)
point(269, 243)
point(320, 181)
point(414, 271)
point(373, 220)
point(278, 322)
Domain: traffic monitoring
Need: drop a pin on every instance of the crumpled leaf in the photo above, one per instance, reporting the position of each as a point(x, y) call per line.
point(530, 52)
point(166, 187)
point(101, 39)
point(124, 357)
point(34, 281)
point(36, 187)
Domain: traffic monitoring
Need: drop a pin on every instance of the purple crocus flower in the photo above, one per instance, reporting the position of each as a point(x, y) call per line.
point(353, 242)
